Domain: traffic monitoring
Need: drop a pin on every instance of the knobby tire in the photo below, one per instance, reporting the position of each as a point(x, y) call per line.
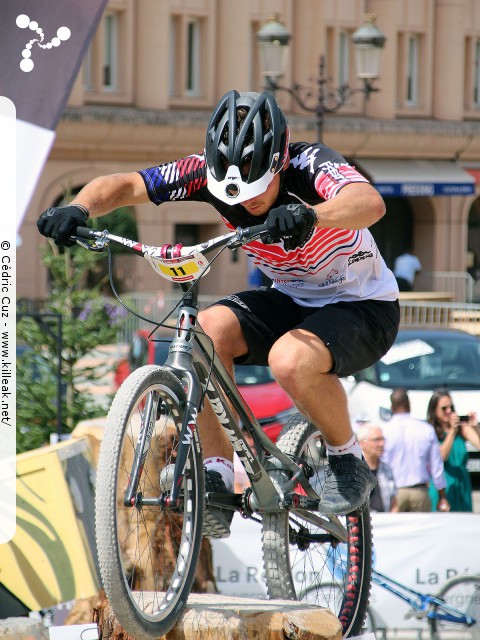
point(328, 573)
point(147, 553)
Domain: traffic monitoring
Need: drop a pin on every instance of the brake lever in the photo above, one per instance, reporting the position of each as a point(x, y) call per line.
point(96, 248)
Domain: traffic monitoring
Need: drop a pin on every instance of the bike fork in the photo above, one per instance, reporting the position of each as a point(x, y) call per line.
point(149, 413)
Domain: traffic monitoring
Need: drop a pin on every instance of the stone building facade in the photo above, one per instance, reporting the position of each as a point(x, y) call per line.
point(156, 68)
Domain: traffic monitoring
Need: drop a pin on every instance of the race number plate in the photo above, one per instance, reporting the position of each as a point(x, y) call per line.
point(182, 269)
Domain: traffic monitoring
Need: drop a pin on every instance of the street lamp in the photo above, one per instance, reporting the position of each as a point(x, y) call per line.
point(368, 41)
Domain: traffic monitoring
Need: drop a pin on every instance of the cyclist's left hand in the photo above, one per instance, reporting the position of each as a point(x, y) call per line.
point(292, 222)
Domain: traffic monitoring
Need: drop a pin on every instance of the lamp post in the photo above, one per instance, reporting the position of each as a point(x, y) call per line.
point(368, 41)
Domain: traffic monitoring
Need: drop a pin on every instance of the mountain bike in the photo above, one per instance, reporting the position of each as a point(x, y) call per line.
point(453, 613)
point(150, 487)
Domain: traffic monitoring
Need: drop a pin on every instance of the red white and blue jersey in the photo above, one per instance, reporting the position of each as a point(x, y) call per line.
point(333, 265)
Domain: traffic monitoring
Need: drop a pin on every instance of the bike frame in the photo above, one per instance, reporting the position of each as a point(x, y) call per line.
point(421, 602)
point(192, 358)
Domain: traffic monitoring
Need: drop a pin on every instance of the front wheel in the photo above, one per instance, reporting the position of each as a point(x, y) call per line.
point(147, 550)
point(304, 560)
point(459, 617)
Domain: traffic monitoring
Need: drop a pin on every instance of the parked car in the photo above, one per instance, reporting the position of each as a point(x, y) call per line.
point(268, 401)
point(421, 360)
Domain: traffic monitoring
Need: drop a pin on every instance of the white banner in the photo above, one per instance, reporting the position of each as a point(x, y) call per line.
point(420, 550)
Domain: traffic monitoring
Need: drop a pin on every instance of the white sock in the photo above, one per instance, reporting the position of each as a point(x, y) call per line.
point(352, 446)
point(224, 468)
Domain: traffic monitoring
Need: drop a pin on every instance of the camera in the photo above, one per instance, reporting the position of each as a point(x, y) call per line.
point(464, 418)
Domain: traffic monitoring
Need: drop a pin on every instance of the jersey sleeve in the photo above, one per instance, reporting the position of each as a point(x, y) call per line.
point(324, 169)
point(183, 179)
point(331, 177)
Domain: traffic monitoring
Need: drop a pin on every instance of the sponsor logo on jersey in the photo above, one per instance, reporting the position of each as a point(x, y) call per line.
point(361, 255)
point(332, 282)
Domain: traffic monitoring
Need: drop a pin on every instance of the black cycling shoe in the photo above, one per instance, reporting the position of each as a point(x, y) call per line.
point(216, 522)
point(348, 484)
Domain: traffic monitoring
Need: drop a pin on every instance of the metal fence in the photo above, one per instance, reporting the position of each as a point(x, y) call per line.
point(156, 307)
point(446, 315)
point(459, 284)
point(159, 308)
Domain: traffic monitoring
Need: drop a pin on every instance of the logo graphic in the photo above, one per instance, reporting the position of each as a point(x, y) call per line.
point(361, 255)
point(24, 22)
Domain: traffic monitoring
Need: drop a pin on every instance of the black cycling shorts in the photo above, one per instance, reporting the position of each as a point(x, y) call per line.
point(357, 333)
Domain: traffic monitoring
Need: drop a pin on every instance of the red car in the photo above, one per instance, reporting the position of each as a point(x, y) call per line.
point(268, 401)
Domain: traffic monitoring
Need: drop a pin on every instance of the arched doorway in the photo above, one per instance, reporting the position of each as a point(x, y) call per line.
point(474, 240)
point(394, 232)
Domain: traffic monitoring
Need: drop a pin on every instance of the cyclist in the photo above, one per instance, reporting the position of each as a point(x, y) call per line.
point(332, 309)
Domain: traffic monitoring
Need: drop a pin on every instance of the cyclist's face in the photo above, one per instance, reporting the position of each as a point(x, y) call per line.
point(261, 204)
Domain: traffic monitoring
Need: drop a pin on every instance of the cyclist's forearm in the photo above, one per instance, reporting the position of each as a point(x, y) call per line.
point(356, 206)
point(106, 193)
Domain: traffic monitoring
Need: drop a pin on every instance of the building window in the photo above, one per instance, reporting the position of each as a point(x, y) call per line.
point(87, 70)
point(476, 76)
point(173, 55)
point(110, 52)
point(187, 234)
point(344, 58)
point(412, 70)
point(192, 84)
point(186, 51)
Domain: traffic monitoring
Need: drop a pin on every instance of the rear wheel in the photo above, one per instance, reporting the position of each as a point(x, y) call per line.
point(147, 550)
point(463, 595)
point(304, 560)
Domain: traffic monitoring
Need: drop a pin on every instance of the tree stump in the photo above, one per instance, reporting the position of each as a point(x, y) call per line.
point(216, 617)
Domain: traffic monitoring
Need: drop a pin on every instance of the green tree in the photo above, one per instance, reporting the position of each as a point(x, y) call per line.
point(122, 223)
point(89, 319)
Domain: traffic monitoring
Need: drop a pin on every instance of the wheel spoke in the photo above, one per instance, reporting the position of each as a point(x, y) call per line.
point(148, 559)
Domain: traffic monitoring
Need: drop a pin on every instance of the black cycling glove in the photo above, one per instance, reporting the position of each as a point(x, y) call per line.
point(292, 222)
point(60, 223)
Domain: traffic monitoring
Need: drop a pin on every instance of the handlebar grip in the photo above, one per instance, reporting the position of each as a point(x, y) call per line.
point(84, 232)
point(259, 230)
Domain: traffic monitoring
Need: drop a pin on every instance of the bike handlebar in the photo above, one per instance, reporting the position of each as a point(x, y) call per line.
point(236, 238)
point(85, 232)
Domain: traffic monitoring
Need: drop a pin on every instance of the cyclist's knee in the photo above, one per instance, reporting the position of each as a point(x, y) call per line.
point(216, 320)
point(293, 357)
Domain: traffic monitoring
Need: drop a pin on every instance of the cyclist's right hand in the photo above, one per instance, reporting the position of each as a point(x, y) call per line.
point(60, 223)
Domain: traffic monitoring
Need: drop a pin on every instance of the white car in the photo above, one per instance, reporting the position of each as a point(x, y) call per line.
point(421, 360)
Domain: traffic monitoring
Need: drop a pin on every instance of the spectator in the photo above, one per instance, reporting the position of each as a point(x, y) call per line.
point(452, 432)
point(384, 496)
point(405, 268)
point(413, 453)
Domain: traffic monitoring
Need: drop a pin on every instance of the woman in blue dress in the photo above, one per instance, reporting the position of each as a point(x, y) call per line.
point(453, 434)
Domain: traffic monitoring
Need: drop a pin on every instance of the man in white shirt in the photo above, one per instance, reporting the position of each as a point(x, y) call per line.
point(405, 268)
point(413, 452)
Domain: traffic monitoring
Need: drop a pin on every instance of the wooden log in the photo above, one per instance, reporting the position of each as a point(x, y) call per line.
point(162, 553)
point(22, 629)
point(217, 617)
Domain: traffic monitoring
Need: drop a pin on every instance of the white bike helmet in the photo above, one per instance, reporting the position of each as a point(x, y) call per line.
point(243, 156)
